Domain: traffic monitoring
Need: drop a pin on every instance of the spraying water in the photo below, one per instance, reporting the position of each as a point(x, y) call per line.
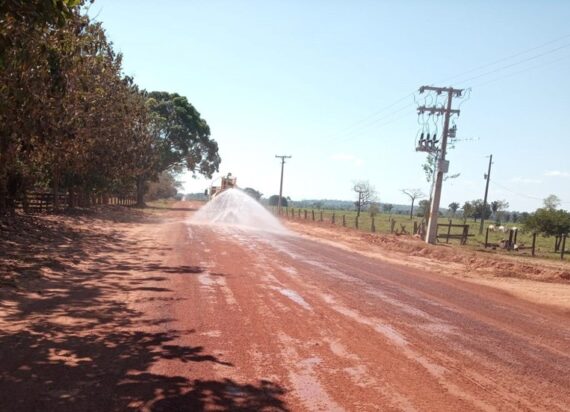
point(234, 207)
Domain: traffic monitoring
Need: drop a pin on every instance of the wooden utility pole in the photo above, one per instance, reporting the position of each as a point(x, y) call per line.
point(488, 177)
point(281, 184)
point(442, 165)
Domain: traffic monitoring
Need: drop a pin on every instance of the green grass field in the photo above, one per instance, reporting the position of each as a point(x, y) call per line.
point(383, 224)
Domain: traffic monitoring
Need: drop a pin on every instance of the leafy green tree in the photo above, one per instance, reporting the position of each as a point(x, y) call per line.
point(274, 201)
point(453, 206)
point(373, 209)
point(423, 208)
point(498, 207)
point(479, 210)
point(468, 211)
point(387, 207)
point(548, 222)
point(253, 193)
point(552, 202)
point(165, 187)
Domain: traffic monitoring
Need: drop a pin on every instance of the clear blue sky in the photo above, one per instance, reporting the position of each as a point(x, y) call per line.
point(310, 79)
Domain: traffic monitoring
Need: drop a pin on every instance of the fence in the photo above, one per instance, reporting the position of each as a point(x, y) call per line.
point(38, 202)
point(446, 231)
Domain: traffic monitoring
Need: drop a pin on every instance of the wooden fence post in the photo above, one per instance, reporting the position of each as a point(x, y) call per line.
point(313, 214)
point(372, 226)
point(415, 227)
point(333, 218)
point(563, 247)
point(321, 217)
point(448, 231)
point(533, 242)
point(343, 220)
point(356, 222)
point(299, 212)
point(392, 225)
point(305, 214)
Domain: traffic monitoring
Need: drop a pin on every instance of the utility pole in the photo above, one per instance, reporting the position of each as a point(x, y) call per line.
point(442, 165)
point(488, 177)
point(281, 184)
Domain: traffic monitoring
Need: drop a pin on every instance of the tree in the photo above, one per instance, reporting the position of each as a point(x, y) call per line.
point(498, 207)
point(551, 202)
point(253, 193)
point(413, 194)
point(423, 208)
point(478, 211)
point(182, 136)
point(318, 204)
point(274, 201)
point(373, 209)
point(365, 193)
point(164, 187)
point(548, 222)
point(387, 207)
point(453, 206)
point(468, 211)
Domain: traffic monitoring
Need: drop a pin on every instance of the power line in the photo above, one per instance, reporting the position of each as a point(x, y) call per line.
point(515, 64)
point(521, 194)
point(512, 56)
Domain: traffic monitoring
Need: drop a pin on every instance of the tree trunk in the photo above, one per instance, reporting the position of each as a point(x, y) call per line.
point(140, 191)
point(412, 209)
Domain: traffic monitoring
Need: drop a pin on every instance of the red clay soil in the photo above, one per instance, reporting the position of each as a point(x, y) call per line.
point(123, 311)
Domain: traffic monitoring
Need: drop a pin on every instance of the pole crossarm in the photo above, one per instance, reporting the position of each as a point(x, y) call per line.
point(439, 90)
point(438, 110)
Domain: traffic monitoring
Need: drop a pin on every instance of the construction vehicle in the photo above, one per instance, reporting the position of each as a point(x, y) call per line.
point(227, 182)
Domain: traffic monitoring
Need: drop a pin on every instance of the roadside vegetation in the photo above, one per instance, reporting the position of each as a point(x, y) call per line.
point(73, 124)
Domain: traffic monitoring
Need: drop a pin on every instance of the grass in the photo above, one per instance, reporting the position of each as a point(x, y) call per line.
point(383, 224)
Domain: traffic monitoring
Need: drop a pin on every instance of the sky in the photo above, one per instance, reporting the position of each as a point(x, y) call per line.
point(335, 85)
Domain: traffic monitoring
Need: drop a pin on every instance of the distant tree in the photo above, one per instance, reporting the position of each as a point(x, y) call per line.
point(551, 202)
point(515, 216)
point(498, 207)
point(453, 206)
point(468, 211)
point(373, 209)
point(413, 194)
point(387, 207)
point(478, 211)
point(365, 193)
point(164, 187)
point(253, 193)
point(318, 204)
point(548, 222)
point(274, 201)
point(423, 208)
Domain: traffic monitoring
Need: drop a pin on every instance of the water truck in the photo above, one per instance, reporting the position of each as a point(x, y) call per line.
point(227, 182)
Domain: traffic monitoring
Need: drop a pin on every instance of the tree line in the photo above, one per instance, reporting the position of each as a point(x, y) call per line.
point(72, 122)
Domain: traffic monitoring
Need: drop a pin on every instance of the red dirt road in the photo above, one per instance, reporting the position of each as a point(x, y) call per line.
point(186, 317)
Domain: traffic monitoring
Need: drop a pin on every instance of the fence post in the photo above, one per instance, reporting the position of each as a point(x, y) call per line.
point(313, 214)
point(333, 218)
point(305, 215)
point(356, 222)
point(415, 227)
point(486, 237)
point(516, 235)
point(343, 220)
point(533, 242)
point(321, 216)
point(372, 226)
point(448, 231)
point(392, 225)
point(299, 212)
point(563, 247)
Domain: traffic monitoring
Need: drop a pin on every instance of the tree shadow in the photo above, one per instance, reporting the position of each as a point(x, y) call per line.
point(70, 342)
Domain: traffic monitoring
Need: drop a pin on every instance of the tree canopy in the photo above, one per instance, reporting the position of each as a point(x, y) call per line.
point(71, 121)
point(548, 222)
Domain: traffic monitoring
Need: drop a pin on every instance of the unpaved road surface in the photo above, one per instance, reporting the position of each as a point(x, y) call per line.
point(183, 317)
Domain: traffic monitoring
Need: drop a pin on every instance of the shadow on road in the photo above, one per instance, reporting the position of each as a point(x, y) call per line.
point(70, 342)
